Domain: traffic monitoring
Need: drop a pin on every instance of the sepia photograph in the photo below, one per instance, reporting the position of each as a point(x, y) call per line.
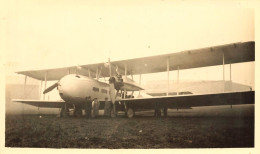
point(121, 76)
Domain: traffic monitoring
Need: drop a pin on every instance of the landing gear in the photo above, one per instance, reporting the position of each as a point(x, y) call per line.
point(157, 112)
point(165, 112)
point(64, 112)
point(78, 111)
point(130, 113)
point(159, 109)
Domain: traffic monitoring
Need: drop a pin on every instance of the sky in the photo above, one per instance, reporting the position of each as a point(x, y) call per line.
point(43, 34)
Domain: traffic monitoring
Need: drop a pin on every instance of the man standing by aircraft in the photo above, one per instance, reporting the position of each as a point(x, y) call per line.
point(88, 107)
point(107, 108)
point(95, 106)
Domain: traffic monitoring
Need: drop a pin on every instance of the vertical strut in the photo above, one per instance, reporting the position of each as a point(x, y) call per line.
point(132, 94)
point(40, 91)
point(178, 81)
point(125, 70)
point(89, 73)
point(140, 79)
point(124, 93)
point(168, 79)
point(97, 74)
point(230, 71)
point(230, 78)
point(126, 79)
point(223, 67)
point(45, 79)
point(109, 64)
point(223, 72)
point(25, 80)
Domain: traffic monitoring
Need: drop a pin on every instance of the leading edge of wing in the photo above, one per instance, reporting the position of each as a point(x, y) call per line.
point(233, 98)
point(41, 103)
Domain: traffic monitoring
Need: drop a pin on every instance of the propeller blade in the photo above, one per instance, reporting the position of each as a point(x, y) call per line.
point(50, 88)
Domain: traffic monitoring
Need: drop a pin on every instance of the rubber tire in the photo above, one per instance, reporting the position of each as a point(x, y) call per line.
point(63, 112)
point(130, 113)
point(78, 112)
point(165, 112)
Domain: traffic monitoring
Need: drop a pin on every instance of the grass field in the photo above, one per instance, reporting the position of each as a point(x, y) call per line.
point(139, 132)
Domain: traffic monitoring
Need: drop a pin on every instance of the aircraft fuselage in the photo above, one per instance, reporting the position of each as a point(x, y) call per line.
point(76, 88)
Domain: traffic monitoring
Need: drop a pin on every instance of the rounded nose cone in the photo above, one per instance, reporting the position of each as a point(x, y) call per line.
point(70, 87)
point(73, 88)
point(64, 87)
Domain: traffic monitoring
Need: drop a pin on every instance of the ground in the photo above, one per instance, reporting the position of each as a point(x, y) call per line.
point(139, 132)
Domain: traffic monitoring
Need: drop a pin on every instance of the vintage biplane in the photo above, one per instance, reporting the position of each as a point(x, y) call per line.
point(77, 85)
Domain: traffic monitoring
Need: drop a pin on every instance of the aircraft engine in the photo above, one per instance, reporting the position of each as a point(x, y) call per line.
point(117, 80)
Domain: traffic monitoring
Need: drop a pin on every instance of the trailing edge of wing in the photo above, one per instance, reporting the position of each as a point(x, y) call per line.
point(40, 103)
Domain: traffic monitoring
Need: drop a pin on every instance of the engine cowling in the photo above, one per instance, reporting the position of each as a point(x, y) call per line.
point(117, 80)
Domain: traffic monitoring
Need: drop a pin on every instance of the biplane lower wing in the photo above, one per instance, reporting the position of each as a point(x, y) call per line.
point(41, 103)
point(184, 101)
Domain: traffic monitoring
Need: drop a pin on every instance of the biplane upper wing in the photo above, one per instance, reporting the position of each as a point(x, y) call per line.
point(231, 53)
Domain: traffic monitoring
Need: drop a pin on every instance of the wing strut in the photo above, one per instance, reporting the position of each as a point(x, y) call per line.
point(45, 79)
point(25, 80)
point(223, 72)
point(178, 81)
point(125, 70)
point(223, 67)
point(40, 91)
point(140, 79)
point(168, 74)
point(230, 71)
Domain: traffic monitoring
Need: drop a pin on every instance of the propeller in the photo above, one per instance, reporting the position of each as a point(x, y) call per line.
point(51, 88)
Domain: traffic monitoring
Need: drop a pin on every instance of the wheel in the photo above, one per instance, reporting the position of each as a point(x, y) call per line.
point(157, 112)
point(130, 113)
point(77, 111)
point(64, 112)
point(165, 109)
